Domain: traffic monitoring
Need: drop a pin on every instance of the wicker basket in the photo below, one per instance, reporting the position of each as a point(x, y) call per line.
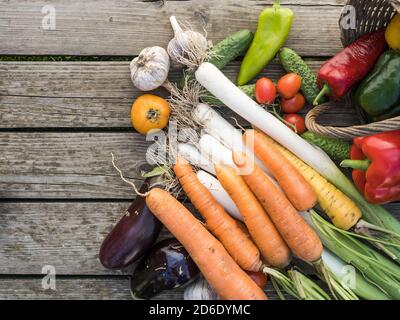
point(371, 16)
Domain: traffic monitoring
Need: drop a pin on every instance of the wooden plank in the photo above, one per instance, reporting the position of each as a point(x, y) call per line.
point(110, 27)
point(66, 235)
point(73, 288)
point(81, 288)
point(69, 165)
point(95, 94)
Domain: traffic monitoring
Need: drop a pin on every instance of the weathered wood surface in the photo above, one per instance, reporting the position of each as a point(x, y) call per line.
point(66, 235)
point(81, 288)
point(69, 165)
point(124, 27)
point(59, 121)
point(95, 94)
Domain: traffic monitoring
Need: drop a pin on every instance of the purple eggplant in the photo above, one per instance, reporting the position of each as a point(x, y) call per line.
point(167, 266)
point(132, 236)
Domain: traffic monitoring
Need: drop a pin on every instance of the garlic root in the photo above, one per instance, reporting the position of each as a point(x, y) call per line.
point(188, 47)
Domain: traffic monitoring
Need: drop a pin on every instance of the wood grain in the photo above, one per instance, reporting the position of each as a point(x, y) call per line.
point(66, 235)
point(124, 27)
point(83, 109)
point(96, 95)
point(81, 288)
point(69, 165)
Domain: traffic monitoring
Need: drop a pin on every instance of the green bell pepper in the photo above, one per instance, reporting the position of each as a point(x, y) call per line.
point(274, 25)
point(379, 93)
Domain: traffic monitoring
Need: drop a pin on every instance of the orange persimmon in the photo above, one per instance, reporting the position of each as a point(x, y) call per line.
point(150, 112)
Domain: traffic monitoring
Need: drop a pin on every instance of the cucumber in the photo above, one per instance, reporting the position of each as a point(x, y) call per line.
point(337, 149)
point(292, 62)
point(231, 47)
point(224, 52)
point(213, 101)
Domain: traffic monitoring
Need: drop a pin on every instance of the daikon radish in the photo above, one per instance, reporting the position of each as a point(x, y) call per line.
point(193, 155)
point(221, 87)
point(215, 152)
point(215, 125)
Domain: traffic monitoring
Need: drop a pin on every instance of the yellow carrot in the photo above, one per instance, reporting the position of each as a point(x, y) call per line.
point(343, 212)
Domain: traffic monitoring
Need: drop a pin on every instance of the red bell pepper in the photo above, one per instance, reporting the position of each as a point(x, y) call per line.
point(338, 75)
point(376, 163)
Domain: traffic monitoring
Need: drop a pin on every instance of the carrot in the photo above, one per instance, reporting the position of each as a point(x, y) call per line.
point(221, 271)
point(272, 247)
point(343, 212)
point(296, 188)
point(227, 230)
point(299, 236)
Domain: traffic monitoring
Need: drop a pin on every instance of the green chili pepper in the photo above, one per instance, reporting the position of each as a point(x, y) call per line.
point(379, 93)
point(273, 28)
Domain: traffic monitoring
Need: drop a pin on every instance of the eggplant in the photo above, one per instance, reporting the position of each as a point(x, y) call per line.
point(132, 236)
point(167, 266)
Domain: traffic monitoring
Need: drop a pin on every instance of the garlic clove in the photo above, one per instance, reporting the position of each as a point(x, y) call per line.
point(200, 290)
point(150, 69)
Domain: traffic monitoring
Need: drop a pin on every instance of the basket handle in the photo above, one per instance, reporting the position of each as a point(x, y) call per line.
point(347, 133)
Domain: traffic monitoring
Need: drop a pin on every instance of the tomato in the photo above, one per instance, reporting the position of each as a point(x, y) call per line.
point(150, 112)
point(259, 278)
point(265, 91)
point(297, 120)
point(293, 105)
point(289, 85)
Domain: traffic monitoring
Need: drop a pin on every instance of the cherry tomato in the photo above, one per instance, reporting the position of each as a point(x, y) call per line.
point(259, 278)
point(293, 105)
point(265, 91)
point(297, 120)
point(289, 85)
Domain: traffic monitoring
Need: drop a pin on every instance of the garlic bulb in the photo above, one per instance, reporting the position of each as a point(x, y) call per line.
point(150, 69)
point(187, 46)
point(200, 290)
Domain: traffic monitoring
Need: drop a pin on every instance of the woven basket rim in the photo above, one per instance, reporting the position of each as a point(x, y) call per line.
point(348, 36)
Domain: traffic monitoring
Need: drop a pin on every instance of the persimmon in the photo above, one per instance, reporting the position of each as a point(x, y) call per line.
point(150, 112)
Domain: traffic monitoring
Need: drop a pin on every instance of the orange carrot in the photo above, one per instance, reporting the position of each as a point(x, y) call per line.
point(221, 271)
point(227, 230)
point(299, 236)
point(296, 188)
point(272, 247)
